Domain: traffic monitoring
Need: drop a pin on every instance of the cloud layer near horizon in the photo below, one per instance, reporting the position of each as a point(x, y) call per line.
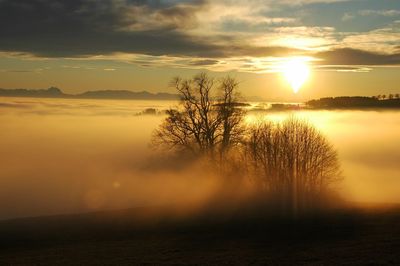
point(218, 35)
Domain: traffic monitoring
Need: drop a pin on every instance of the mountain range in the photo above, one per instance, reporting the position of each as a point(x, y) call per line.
point(54, 92)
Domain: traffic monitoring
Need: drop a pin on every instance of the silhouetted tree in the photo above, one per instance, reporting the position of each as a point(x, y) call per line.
point(229, 114)
point(204, 123)
point(292, 159)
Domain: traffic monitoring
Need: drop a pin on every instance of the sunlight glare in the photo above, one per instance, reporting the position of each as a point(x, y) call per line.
point(296, 72)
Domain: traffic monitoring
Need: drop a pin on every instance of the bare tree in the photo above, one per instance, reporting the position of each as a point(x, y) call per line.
point(203, 124)
point(292, 159)
point(230, 115)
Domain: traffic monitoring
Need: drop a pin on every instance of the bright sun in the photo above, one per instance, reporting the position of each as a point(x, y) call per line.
point(296, 72)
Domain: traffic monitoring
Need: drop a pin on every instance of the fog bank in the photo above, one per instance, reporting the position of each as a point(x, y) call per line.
point(69, 156)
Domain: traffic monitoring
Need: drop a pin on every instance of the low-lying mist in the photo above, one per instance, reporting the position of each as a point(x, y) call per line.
point(71, 156)
point(369, 151)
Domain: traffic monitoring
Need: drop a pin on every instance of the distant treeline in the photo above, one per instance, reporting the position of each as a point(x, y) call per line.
point(354, 102)
point(54, 92)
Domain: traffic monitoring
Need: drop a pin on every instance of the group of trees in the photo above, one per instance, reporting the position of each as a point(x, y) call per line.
point(291, 161)
point(349, 102)
point(390, 96)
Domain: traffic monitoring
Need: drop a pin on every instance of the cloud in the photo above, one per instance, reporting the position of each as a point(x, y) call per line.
point(347, 17)
point(338, 68)
point(385, 13)
point(216, 35)
point(335, 59)
point(37, 70)
point(16, 71)
point(83, 27)
point(348, 56)
point(203, 62)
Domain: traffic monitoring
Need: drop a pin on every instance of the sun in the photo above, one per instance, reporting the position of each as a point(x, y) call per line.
point(296, 71)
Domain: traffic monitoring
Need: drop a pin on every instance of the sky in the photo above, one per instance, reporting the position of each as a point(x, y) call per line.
point(351, 46)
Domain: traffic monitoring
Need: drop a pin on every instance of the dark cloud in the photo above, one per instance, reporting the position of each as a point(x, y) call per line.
point(344, 68)
point(205, 62)
point(82, 27)
point(261, 51)
point(18, 71)
point(77, 28)
point(348, 56)
point(14, 105)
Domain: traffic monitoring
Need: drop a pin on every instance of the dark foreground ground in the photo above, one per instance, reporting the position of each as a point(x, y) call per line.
point(355, 236)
